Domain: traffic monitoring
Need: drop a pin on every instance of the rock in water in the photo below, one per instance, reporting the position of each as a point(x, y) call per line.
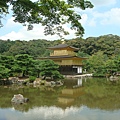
point(19, 99)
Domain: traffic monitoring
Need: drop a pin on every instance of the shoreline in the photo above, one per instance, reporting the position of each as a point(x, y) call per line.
point(77, 76)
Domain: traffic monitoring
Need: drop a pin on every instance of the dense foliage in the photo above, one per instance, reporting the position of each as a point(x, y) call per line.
point(23, 65)
point(108, 44)
point(50, 69)
point(103, 52)
point(50, 13)
point(100, 65)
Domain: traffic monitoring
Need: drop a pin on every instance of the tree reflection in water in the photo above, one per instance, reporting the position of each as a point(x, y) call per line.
point(91, 96)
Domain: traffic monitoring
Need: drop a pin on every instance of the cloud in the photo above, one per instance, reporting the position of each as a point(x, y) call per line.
point(45, 113)
point(54, 113)
point(96, 18)
point(34, 0)
point(111, 17)
point(90, 18)
point(92, 23)
point(19, 32)
point(11, 23)
point(12, 35)
point(103, 2)
point(23, 34)
point(84, 18)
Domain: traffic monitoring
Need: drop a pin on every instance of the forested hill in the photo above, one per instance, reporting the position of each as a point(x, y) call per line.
point(109, 44)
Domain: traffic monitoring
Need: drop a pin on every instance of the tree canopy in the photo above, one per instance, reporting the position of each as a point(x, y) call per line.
point(50, 13)
point(24, 65)
point(108, 44)
point(50, 69)
point(103, 53)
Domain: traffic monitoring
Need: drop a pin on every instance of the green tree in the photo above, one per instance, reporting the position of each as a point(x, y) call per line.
point(49, 69)
point(33, 48)
point(5, 45)
point(82, 54)
point(111, 66)
point(7, 62)
point(96, 64)
point(23, 64)
point(37, 68)
point(117, 62)
point(50, 13)
point(4, 72)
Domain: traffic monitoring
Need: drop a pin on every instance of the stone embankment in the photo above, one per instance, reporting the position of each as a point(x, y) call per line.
point(78, 76)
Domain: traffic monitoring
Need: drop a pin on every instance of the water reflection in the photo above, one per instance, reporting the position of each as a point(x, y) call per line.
point(69, 95)
point(91, 99)
point(79, 81)
point(57, 113)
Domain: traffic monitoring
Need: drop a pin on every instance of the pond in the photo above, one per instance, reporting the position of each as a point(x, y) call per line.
point(78, 99)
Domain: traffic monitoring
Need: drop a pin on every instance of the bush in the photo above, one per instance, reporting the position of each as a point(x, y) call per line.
point(32, 79)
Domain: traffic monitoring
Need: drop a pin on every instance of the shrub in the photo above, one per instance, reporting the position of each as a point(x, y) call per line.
point(31, 79)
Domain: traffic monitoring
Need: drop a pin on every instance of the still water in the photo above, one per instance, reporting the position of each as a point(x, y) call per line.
point(77, 99)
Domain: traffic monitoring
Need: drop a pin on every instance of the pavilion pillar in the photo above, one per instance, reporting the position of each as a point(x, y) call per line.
point(79, 69)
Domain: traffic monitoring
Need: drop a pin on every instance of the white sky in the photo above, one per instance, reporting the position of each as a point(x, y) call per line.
point(103, 19)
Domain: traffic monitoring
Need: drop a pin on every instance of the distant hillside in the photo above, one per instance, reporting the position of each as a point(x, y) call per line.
point(109, 44)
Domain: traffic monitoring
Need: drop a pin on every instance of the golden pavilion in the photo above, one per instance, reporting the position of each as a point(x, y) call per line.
point(65, 56)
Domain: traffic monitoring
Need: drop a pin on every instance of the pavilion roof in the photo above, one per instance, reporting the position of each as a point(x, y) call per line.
point(62, 46)
point(64, 57)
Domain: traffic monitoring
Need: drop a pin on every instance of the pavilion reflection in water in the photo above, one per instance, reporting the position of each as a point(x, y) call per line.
point(70, 94)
